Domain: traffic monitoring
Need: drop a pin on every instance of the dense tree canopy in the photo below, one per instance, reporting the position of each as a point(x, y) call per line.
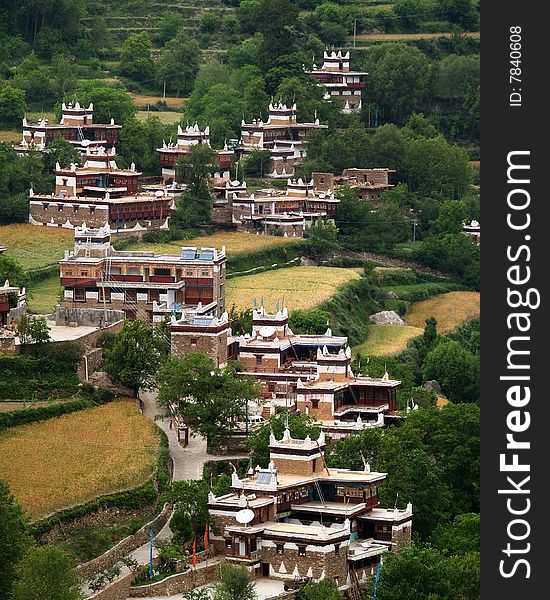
point(14, 539)
point(210, 400)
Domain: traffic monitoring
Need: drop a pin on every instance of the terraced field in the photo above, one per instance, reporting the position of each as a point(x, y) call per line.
point(36, 247)
point(234, 242)
point(450, 310)
point(71, 459)
point(387, 339)
point(301, 287)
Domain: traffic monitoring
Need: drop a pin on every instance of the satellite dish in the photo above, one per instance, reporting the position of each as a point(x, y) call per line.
point(85, 143)
point(267, 331)
point(244, 516)
point(235, 183)
point(159, 193)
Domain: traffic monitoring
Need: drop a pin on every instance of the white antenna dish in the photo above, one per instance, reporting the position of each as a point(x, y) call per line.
point(159, 193)
point(85, 143)
point(267, 331)
point(244, 516)
point(235, 183)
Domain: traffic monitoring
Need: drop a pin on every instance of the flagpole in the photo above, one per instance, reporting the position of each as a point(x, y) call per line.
point(150, 552)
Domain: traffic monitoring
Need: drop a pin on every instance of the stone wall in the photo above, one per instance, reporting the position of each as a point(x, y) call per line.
point(67, 214)
point(7, 345)
point(119, 590)
point(89, 363)
point(177, 584)
point(87, 317)
point(125, 546)
point(213, 345)
point(325, 564)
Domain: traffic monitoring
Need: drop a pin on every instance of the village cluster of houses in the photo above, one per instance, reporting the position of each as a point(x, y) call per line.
point(99, 193)
point(294, 518)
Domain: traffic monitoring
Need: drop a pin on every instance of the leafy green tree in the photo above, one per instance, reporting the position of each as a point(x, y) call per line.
point(398, 79)
point(219, 105)
point(454, 76)
point(247, 52)
point(210, 400)
point(210, 21)
point(346, 453)
point(139, 140)
point(46, 573)
point(411, 13)
point(416, 574)
point(275, 20)
point(258, 441)
point(63, 76)
point(60, 151)
point(312, 322)
point(459, 537)
point(413, 477)
point(388, 146)
point(109, 102)
point(33, 330)
point(137, 355)
point(256, 98)
point(14, 539)
point(190, 500)
point(12, 106)
point(326, 589)
point(461, 12)
point(255, 164)
point(428, 340)
point(364, 228)
point(12, 271)
point(451, 436)
point(241, 320)
point(418, 125)
point(321, 242)
point(135, 57)
point(452, 253)
point(420, 396)
point(456, 370)
point(433, 167)
point(234, 583)
point(34, 79)
point(169, 25)
point(17, 175)
point(178, 64)
point(465, 576)
point(195, 168)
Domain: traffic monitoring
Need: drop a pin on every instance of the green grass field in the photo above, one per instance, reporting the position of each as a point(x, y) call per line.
point(42, 296)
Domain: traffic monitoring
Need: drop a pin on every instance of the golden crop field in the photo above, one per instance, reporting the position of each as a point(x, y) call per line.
point(165, 117)
point(234, 242)
point(387, 339)
point(142, 101)
point(68, 460)
point(9, 136)
point(449, 309)
point(34, 246)
point(301, 287)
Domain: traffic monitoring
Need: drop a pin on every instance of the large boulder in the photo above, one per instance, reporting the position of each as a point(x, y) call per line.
point(387, 317)
point(432, 384)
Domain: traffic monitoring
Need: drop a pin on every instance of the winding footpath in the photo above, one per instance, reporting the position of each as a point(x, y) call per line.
point(188, 464)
